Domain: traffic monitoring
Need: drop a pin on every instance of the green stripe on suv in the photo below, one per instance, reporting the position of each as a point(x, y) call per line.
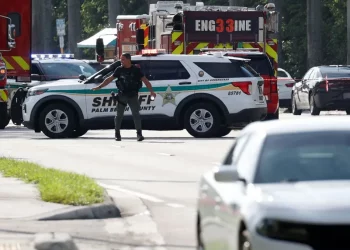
point(144, 89)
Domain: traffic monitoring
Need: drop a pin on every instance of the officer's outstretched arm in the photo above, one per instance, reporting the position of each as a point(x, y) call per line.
point(147, 83)
point(105, 82)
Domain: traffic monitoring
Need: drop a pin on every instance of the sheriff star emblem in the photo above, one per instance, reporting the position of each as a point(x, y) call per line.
point(168, 96)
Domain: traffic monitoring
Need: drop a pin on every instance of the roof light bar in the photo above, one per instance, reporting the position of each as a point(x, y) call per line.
point(50, 56)
point(153, 52)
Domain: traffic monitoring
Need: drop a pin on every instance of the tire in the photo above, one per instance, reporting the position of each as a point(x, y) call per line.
point(224, 131)
point(347, 111)
point(313, 109)
point(4, 117)
point(295, 110)
point(275, 116)
point(65, 113)
point(244, 242)
point(78, 132)
point(4, 122)
point(197, 112)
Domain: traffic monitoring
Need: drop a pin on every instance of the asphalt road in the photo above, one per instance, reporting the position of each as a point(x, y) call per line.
point(163, 170)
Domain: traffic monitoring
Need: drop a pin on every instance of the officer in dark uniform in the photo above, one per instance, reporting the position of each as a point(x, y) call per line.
point(129, 82)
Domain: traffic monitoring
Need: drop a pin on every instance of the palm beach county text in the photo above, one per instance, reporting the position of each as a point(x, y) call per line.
point(108, 104)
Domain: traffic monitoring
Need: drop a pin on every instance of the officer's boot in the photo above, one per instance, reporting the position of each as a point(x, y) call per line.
point(117, 136)
point(139, 135)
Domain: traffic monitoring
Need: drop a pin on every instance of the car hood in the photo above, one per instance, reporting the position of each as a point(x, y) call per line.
point(313, 202)
point(308, 194)
point(60, 84)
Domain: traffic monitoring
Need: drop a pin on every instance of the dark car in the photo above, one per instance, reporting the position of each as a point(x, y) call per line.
point(323, 88)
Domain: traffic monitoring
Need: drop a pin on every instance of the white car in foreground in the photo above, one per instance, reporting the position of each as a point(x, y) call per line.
point(284, 185)
point(285, 84)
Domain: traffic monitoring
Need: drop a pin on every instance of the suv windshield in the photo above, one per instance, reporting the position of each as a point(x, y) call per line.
point(305, 157)
point(69, 70)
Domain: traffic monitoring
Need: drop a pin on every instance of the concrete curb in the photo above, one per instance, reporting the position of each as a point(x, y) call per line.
point(105, 210)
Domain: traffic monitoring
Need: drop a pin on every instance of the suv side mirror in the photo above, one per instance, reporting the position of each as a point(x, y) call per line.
point(100, 47)
point(226, 174)
point(82, 77)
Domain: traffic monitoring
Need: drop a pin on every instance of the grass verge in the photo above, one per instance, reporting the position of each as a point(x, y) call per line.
point(54, 185)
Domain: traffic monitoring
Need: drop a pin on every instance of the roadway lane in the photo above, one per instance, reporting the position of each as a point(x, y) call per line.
point(163, 170)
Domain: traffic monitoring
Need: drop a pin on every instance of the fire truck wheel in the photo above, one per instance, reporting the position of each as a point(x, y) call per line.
point(202, 120)
point(57, 121)
point(4, 123)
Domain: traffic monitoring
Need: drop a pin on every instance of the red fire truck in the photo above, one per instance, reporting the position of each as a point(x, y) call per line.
point(15, 47)
point(185, 29)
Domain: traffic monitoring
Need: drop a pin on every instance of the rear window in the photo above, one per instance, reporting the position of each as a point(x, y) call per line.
point(260, 64)
point(232, 69)
point(342, 72)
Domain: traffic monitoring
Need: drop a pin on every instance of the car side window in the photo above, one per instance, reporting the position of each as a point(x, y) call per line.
point(166, 70)
point(233, 154)
point(35, 69)
point(240, 144)
point(281, 73)
point(307, 75)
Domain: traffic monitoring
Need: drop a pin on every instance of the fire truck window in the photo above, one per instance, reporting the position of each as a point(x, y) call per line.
point(16, 20)
point(224, 70)
point(167, 70)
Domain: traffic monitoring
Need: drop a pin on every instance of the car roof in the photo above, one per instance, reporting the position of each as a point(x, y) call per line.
point(299, 125)
point(193, 58)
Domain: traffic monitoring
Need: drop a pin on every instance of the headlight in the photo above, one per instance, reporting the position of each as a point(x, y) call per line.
point(282, 230)
point(36, 92)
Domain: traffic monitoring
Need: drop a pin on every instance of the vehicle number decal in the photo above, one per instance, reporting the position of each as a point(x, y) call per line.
point(234, 92)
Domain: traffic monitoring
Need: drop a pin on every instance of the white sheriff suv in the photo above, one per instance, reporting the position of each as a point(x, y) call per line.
point(207, 96)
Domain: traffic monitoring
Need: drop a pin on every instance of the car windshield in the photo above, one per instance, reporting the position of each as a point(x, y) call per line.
point(314, 156)
point(59, 70)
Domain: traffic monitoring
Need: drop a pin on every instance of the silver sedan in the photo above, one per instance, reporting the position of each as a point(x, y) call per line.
point(283, 185)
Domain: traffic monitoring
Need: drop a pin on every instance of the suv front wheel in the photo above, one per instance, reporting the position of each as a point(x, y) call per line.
point(57, 121)
point(202, 120)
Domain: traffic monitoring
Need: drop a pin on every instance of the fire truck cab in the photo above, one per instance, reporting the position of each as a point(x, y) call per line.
point(15, 49)
point(7, 43)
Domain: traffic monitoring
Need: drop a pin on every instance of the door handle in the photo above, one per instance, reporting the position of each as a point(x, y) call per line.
point(183, 83)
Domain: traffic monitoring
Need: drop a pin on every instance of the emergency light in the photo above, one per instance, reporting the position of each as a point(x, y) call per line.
point(153, 52)
point(50, 56)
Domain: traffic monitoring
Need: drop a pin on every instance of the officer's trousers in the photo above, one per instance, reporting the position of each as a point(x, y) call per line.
point(133, 102)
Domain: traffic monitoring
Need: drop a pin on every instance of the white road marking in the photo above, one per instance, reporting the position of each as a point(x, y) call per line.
point(140, 195)
point(165, 154)
point(175, 205)
point(116, 146)
point(216, 163)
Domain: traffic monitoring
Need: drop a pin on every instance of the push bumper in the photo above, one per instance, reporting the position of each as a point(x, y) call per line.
point(246, 116)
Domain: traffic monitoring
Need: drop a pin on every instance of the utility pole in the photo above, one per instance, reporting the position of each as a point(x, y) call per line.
point(314, 38)
point(348, 31)
point(74, 27)
point(113, 12)
point(47, 29)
